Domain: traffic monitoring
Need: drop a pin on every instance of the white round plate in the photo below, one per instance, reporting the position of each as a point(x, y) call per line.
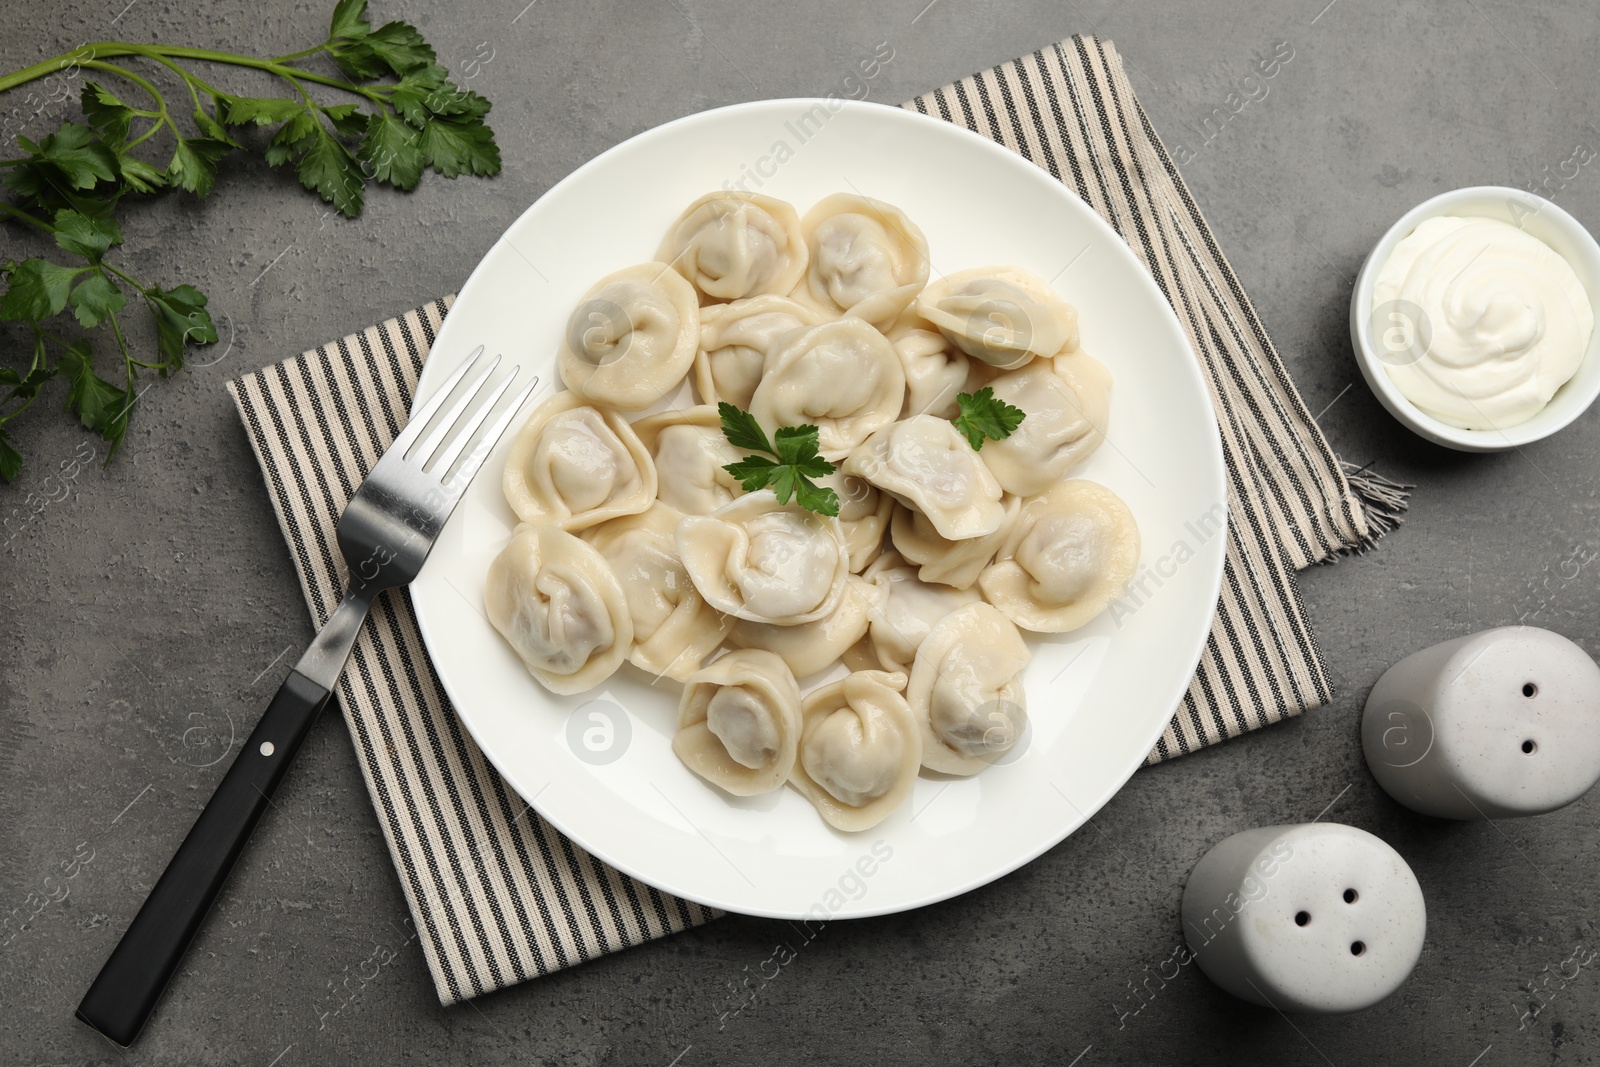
point(599, 766)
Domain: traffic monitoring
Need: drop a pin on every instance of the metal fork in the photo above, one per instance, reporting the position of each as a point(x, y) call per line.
point(385, 534)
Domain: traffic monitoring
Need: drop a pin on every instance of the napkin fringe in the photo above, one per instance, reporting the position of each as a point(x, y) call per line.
point(1384, 500)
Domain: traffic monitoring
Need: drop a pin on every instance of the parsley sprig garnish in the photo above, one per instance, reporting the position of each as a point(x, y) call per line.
point(789, 473)
point(985, 416)
point(69, 185)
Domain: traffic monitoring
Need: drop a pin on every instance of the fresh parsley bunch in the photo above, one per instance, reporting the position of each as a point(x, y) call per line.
point(69, 185)
point(984, 416)
point(788, 474)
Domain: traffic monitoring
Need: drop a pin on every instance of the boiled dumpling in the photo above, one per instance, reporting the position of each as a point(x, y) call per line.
point(861, 656)
point(953, 563)
point(1067, 400)
point(863, 513)
point(867, 258)
point(735, 339)
point(936, 370)
point(572, 466)
point(632, 338)
point(674, 629)
point(842, 377)
point(1001, 315)
point(689, 452)
point(926, 464)
point(860, 749)
point(814, 646)
point(731, 245)
point(558, 603)
point(1070, 553)
point(909, 609)
point(763, 561)
point(966, 690)
point(739, 722)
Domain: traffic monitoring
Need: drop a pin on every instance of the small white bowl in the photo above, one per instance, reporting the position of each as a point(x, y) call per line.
point(1536, 216)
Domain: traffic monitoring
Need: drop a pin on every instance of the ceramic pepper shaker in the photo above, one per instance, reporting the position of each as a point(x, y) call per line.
point(1318, 918)
point(1502, 723)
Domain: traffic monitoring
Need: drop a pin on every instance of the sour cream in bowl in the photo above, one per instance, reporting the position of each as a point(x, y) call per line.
point(1473, 319)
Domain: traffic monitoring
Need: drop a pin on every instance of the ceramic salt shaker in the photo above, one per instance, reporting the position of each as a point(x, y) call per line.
point(1502, 723)
point(1317, 918)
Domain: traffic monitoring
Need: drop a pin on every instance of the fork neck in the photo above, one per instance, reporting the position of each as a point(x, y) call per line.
point(325, 657)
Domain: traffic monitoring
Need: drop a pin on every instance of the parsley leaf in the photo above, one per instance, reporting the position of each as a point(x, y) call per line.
point(101, 406)
point(292, 138)
point(10, 458)
point(363, 52)
point(400, 47)
point(96, 299)
point(89, 237)
point(329, 170)
point(350, 19)
point(263, 111)
point(797, 446)
point(456, 147)
point(180, 315)
point(819, 498)
point(411, 94)
point(789, 474)
point(194, 163)
point(71, 158)
point(391, 153)
point(753, 472)
point(140, 176)
point(985, 416)
point(108, 115)
point(742, 430)
point(38, 289)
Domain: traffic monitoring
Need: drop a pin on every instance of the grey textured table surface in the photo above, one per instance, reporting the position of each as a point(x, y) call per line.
point(157, 604)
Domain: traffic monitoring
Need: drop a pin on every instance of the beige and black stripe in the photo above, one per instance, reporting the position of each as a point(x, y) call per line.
point(498, 895)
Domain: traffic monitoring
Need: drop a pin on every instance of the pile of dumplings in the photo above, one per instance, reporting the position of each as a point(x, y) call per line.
point(635, 544)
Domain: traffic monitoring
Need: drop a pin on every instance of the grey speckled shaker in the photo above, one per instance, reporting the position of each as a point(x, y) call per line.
point(1318, 918)
point(1502, 723)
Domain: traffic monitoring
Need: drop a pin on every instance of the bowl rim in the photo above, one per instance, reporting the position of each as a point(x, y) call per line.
point(1546, 422)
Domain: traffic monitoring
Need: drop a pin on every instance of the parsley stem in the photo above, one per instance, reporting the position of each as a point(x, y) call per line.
point(301, 54)
point(122, 343)
point(189, 80)
point(85, 55)
point(22, 216)
point(125, 276)
point(146, 135)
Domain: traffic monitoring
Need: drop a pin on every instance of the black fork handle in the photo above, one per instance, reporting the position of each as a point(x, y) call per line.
point(132, 980)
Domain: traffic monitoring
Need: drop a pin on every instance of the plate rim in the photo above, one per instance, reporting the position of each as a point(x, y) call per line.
point(427, 382)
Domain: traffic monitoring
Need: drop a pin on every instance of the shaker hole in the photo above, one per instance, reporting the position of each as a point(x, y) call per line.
point(1349, 896)
point(1529, 747)
point(1302, 917)
point(1357, 948)
point(1529, 689)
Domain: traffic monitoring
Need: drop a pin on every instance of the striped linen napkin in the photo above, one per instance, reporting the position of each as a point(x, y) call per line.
point(498, 894)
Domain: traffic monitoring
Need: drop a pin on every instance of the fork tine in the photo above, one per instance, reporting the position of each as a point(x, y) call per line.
point(452, 450)
point(493, 434)
point(441, 429)
point(413, 430)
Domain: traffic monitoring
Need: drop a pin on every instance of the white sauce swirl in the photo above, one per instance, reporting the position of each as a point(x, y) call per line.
point(1477, 322)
